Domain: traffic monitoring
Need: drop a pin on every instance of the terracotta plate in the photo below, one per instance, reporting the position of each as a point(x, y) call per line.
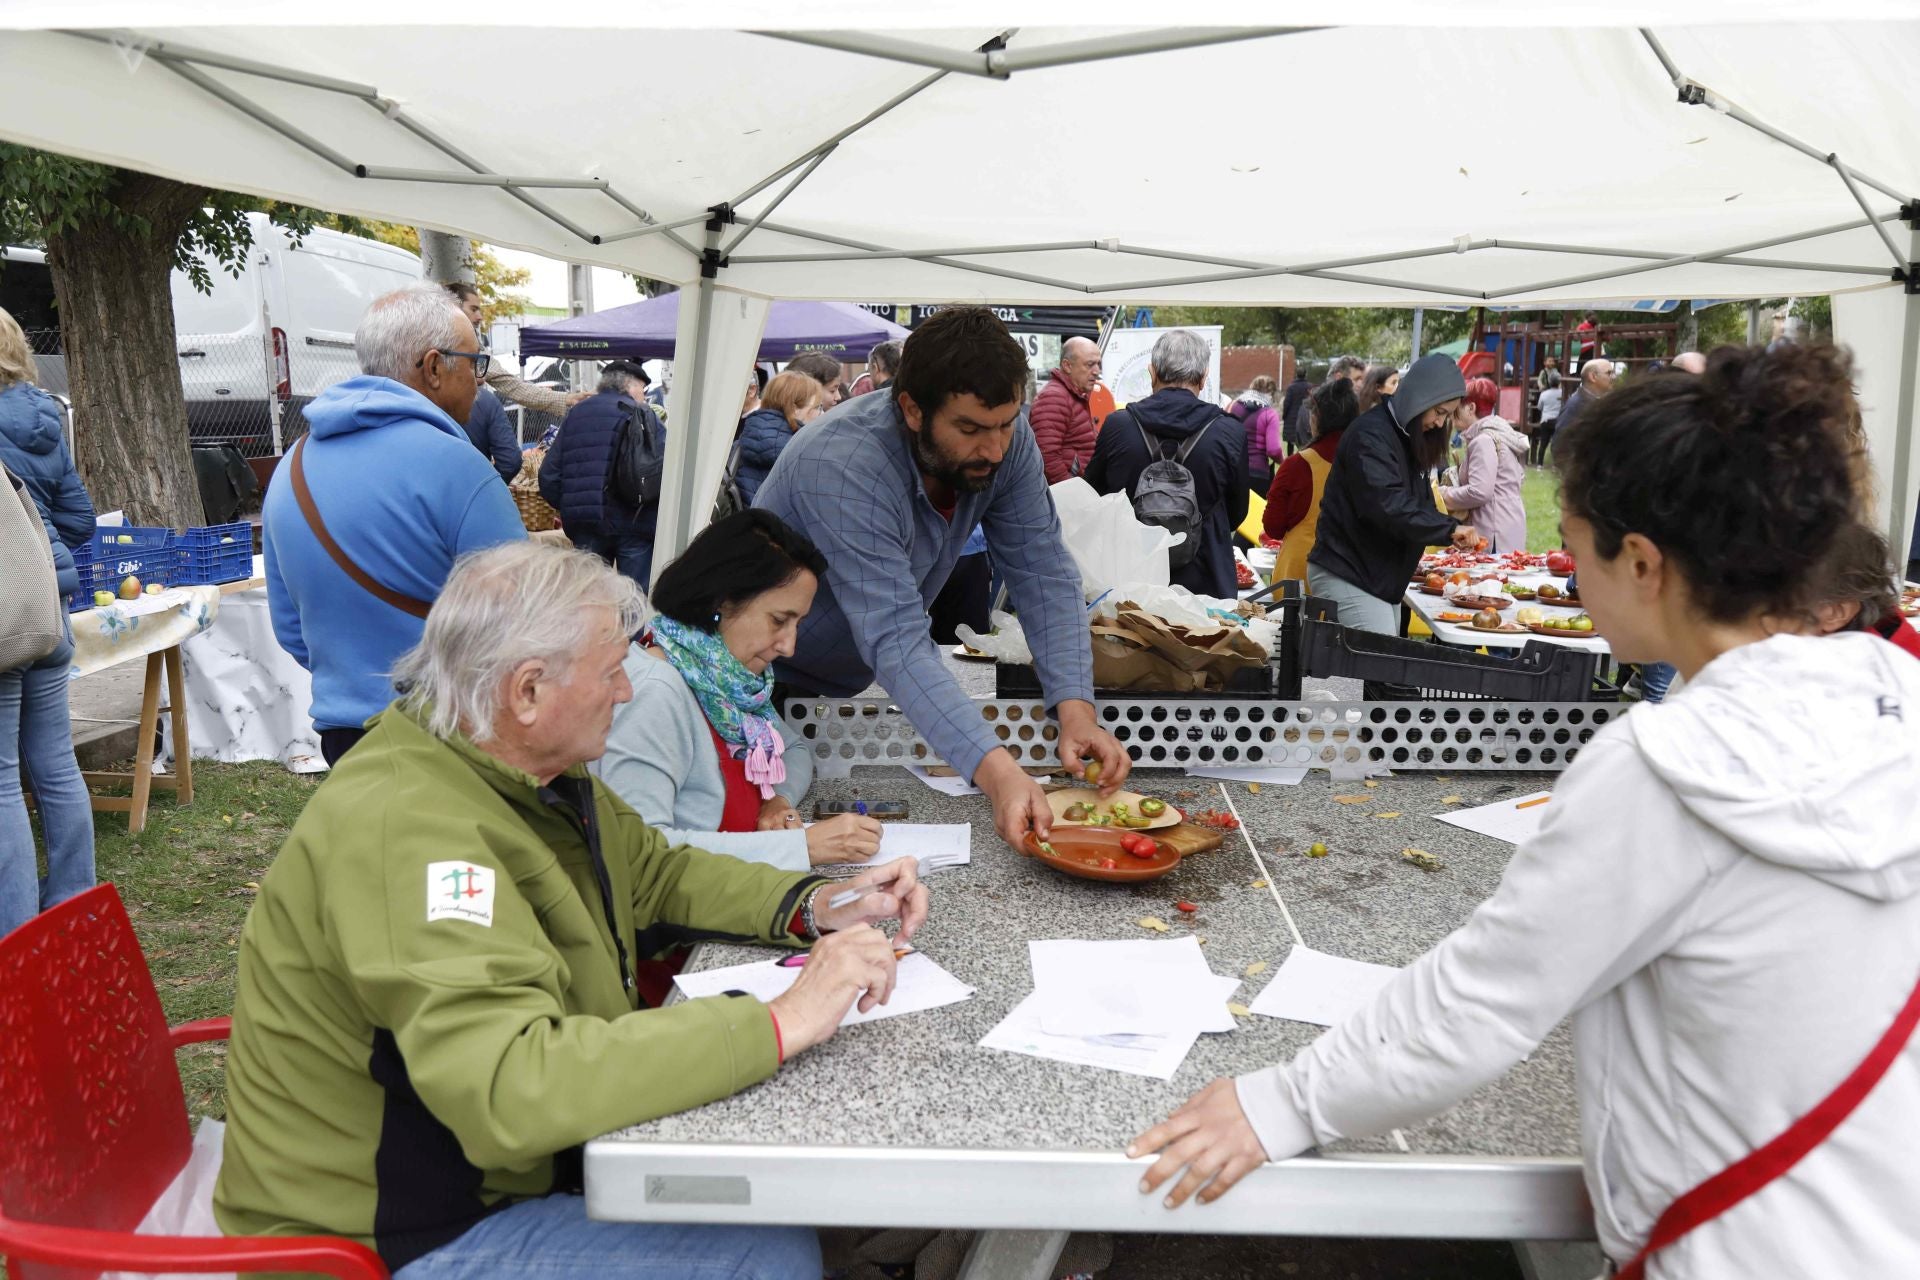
point(1078, 851)
point(1561, 633)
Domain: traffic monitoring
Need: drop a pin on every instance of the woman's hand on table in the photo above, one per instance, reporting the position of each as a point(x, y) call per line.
point(845, 837)
point(855, 964)
point(1081, 736)
point(1210, 1138)
point(776, 814)
point(901, 897)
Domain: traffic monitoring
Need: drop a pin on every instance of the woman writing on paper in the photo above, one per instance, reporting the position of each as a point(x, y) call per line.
point(701, 752)
point(1724, 895)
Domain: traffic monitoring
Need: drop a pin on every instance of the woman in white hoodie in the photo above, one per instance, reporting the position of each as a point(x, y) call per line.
point(1725, 893)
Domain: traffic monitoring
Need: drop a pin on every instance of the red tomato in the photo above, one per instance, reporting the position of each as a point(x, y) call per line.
point(1559, 563)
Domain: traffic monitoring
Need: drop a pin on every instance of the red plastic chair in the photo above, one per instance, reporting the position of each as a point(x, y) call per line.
point(93, 1124)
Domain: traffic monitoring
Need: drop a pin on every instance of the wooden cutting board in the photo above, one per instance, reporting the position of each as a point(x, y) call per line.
point(1190, 838)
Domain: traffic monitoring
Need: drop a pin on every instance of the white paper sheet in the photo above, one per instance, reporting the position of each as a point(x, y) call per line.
point(1128, 987)
point(1157, 1057)
point(955, 786)
point(1506, 820)
point(919, 984)
point(1275, 775)
point(1322, 989)
point(935, 844)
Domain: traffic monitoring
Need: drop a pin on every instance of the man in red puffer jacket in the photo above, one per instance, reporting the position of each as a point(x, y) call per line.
point(1062, 424)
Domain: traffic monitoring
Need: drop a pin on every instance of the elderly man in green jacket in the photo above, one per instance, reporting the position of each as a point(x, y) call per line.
point(436, 1003)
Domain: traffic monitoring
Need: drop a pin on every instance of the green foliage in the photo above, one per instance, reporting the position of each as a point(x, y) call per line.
point(1318, 334)
point(43, 194)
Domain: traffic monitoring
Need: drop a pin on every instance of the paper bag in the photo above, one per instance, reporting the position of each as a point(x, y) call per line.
point(1137, 650)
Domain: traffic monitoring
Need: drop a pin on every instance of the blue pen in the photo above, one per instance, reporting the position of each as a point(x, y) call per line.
point(860, 807)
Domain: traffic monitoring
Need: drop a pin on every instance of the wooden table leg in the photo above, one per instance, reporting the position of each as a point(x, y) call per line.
point(177, 707)
point(143, 748)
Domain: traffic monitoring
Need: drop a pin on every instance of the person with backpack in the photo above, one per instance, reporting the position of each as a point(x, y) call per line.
point(602, 473)
point(1254, 407)
point(1183, 462)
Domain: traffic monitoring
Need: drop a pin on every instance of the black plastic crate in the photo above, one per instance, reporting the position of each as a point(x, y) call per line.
point(1542, 672)
point(1017, 680)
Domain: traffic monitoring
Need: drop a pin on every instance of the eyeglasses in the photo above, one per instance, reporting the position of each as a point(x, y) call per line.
point(481, 360)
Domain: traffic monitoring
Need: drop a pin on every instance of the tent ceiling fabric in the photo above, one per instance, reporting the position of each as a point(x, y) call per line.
point(1584, 144)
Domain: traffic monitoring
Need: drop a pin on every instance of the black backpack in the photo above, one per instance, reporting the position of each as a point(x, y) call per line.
point(1164, 494)
point(639, 457)
point(731, 500)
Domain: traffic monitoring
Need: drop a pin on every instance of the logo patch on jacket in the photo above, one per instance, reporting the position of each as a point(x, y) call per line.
point(459, 891)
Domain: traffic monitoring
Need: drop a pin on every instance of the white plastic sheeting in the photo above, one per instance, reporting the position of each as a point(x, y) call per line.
point(1480, 153)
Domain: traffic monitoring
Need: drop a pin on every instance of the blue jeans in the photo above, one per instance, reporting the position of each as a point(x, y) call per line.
point(630, 553)
point(1655, 679)
point(553, 1239)
point(36, 739)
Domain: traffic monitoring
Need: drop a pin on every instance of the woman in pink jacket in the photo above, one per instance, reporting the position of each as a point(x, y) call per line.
point(1491, 473)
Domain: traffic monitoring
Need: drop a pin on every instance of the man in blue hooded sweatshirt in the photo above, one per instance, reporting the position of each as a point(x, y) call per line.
point(394, 493)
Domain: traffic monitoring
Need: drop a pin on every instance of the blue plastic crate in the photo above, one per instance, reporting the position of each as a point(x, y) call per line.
point(83, 565)
point(215, 553)
point(147, 554)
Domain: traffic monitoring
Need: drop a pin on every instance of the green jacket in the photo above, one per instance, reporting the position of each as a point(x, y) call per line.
point(436, 1004)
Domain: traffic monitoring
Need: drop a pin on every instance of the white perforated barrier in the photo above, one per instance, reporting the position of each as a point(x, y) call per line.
point(1176, 732)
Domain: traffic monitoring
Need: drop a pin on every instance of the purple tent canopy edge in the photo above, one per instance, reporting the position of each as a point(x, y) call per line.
point(646, 331)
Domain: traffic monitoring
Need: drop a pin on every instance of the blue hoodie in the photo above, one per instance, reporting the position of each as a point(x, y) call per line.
point(34, 447)
point(404, 493)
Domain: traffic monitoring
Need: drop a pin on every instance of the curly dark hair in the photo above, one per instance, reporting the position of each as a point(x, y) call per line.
point(961, 351)
point(1857, 576)
point(1745, 475)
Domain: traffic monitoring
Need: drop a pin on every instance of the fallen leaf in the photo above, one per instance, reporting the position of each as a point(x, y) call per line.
point(1154, 923)
point(1370, 784)
point(1253, 788)
point(1202, 941)
point(1421, 859)
point(252, 885)
point(1239, 1010)
point(1451, 800)
point(1463, 172)
point(227, 818)
point(1258, 966)
point(1393, 814)
point(1258, 884)
point(1441, 777)
point(1353, 799)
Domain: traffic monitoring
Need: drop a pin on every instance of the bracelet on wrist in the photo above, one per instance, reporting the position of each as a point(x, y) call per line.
point(809, 929)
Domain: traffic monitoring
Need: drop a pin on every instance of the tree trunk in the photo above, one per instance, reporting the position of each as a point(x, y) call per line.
point(116, 323)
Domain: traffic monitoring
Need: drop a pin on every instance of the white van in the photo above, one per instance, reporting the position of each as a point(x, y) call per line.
point(282, 329)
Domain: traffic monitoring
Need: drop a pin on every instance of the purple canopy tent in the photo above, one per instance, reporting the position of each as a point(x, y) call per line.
point(646, 331)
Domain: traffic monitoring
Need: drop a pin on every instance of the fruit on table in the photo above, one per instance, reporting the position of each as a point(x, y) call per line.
point(1076, 812)
point(1559, 563)
point(1581, 623)
point(1092, 773)
point(1528, 616)
point(1153, 807)
point(154, 588)
point(1139, 846)
point(1436, 581)
point(1487, 620)
point(1460, 576)
point(130, 588)
point(101, 599)
point(1548, 591)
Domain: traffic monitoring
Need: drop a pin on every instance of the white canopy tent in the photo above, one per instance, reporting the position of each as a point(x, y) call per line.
point(1472, 155)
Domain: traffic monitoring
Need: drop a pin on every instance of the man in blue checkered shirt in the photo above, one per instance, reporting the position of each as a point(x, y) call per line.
point(889, 486)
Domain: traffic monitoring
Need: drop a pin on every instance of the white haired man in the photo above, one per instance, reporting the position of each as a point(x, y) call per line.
point(374, 504)
point(436, 1000)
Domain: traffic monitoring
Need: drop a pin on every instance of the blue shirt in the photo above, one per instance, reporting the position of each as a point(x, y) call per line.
point(849, 482)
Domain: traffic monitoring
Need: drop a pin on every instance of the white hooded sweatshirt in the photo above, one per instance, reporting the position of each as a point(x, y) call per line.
point(1725, 896)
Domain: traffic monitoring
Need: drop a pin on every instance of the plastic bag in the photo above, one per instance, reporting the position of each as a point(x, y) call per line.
point(185, 1208)
point(1008, 643)
point(1109, 544)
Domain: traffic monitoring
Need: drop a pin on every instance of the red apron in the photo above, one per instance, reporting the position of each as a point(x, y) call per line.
point(739, 812)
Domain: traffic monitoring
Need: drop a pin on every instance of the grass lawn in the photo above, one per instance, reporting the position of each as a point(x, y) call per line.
point(188, 880)
point(1541, 493)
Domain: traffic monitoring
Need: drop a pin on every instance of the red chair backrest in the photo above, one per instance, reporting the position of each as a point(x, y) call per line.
point(93, 1124)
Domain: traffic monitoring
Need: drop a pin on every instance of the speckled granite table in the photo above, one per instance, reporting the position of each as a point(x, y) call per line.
point(909, 1122)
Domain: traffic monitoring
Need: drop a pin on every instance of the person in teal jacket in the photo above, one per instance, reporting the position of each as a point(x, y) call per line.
point(436, 1003)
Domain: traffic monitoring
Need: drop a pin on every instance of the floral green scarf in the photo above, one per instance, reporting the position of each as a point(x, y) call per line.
point(738, 703)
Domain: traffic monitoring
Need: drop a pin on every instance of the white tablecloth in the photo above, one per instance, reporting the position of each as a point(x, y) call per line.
point(247, 699)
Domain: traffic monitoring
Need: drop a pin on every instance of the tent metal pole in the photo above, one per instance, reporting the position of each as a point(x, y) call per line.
point(999, 63)
point(656, 229)
point(648, 218)
point(1901, 482)
point(1693, 93)
point(455, 154)
point(819, 159)
point(164, 49)
point(838, 138)
point(1853, 189)
point(1404, 285)
point(478, 179)
point(260, 115)
point(1304, 268)
point(964, 252)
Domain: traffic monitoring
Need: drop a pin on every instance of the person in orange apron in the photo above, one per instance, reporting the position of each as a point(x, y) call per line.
point(1293, 501)
point(1724, 892)
point(700, 751)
